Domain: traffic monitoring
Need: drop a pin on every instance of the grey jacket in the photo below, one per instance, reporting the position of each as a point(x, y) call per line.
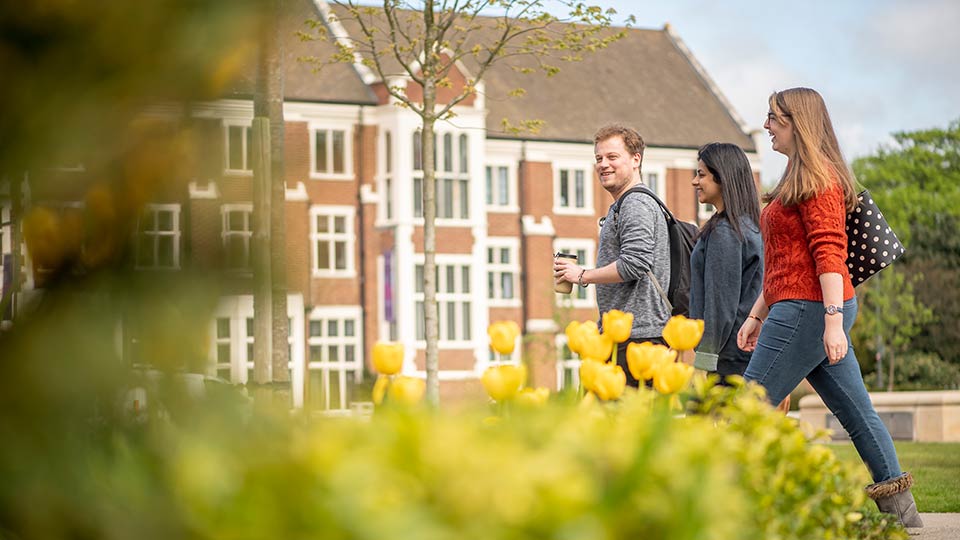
point(726, 277)
point(637, 241)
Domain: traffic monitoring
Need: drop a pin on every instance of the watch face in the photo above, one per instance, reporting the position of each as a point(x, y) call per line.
point(833, 310)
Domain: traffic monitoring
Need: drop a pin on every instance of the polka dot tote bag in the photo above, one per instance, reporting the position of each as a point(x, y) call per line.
point(872, 244)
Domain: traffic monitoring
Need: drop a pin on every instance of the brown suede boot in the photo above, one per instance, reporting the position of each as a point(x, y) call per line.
point(893, 497)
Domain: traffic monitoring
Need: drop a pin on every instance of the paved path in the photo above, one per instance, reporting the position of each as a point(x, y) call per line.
point(939, 527)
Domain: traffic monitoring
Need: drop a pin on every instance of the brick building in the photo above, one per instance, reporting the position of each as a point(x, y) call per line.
point(506, 203)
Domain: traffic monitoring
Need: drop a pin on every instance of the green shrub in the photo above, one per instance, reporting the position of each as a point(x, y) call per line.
point(729, 468)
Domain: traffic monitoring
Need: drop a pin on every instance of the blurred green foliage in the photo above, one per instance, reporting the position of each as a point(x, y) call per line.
point(96, 448)
point(915, 306)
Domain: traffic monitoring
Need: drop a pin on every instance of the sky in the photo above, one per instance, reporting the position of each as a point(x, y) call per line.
point(882, 66)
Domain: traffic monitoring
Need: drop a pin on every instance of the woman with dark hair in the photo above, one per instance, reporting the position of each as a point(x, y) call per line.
point(799, 326)
point(726, 265)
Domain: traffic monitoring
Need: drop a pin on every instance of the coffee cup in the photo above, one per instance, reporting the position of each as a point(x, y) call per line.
point(562, 285)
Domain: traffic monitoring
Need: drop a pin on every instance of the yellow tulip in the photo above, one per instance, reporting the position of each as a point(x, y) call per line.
point(407, 390)
point(672, 377)
point(504, 381)
point(573, 336)
point(683, 334)
point(643, 359)
point(576, 332)
point(388, 357)
point(503, 336)
point(533, 397)
point(588, 372)
point(610, 382)
point(43, 234)
point(380, 389)
point(617, 325)
point(595, 346)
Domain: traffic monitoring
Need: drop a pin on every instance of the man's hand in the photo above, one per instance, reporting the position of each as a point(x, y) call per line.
point(566, 270)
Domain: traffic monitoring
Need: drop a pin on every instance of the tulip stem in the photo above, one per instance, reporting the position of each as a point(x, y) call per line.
point(614, 355)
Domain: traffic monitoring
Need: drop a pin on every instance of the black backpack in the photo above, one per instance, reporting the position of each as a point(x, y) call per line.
point(681, 238)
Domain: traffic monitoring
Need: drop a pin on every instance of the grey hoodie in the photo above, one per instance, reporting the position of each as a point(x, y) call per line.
point(638, 242)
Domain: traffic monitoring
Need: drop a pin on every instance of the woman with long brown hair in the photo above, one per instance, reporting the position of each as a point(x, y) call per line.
point(799, 327)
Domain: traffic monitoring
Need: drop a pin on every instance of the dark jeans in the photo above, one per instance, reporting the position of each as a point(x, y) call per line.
point(726, 368)
point(790, 348)
point(622, 358)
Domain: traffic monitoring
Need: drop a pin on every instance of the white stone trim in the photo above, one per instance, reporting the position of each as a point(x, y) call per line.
point(532, 228)
point(298, 193)
point(209, 192)
point(343, 39)
point(368, 195)
point(539, 326)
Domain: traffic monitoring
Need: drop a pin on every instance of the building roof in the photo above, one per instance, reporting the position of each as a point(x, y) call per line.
point(647, 80)
point(334, 83)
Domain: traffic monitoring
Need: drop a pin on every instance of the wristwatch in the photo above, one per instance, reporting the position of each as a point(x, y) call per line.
point(833, 309)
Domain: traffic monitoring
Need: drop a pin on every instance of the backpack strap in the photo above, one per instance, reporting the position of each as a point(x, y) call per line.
point(669, 218)
point(667, 214)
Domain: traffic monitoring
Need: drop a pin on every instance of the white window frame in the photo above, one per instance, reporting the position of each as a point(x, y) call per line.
point(572, 168)
point(387, 182)
point(246, 234)
point(227, 340)
point(458, 297)
point(565, 363)
point(589, 247)
point(245, 151)
point(348, 236)
point(340, 368)
point(498, 268)
point(329, 174)
point(460, 179)
point(238, 309)
point(494, 167)
point(175, 233)
point(658, 184)
point(496, 359)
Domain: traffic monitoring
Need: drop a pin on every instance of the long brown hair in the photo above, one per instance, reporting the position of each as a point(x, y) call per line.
point(816, 161)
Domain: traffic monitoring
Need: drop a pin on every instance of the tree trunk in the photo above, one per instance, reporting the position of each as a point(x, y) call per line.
point(261, 251)
point(430, 212)
point(273, 61)
point(891, 361)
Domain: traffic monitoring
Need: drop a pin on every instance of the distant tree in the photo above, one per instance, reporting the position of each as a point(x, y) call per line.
point(916, 182)
point(889, 318)
point(425, 41)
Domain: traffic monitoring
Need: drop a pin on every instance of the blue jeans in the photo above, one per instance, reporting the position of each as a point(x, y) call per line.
point(790, 348)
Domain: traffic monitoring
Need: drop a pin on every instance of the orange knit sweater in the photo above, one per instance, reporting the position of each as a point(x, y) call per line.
point(801, 242)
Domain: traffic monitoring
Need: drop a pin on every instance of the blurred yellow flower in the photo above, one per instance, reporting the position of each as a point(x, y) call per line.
point(595, 346)
point(533, 396)
point(672, 377)
point(388, 357)
point(610, 381)
point(588, 372)
point(617, 325)
point(643, 359)
point(504, 381)
point(683, 334)
point(407, 390)
point(573, 336)
point(380, 389)
point(42, 232)
point(503, 336)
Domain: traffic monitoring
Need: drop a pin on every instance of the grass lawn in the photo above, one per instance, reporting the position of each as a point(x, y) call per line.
point(935, 468)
